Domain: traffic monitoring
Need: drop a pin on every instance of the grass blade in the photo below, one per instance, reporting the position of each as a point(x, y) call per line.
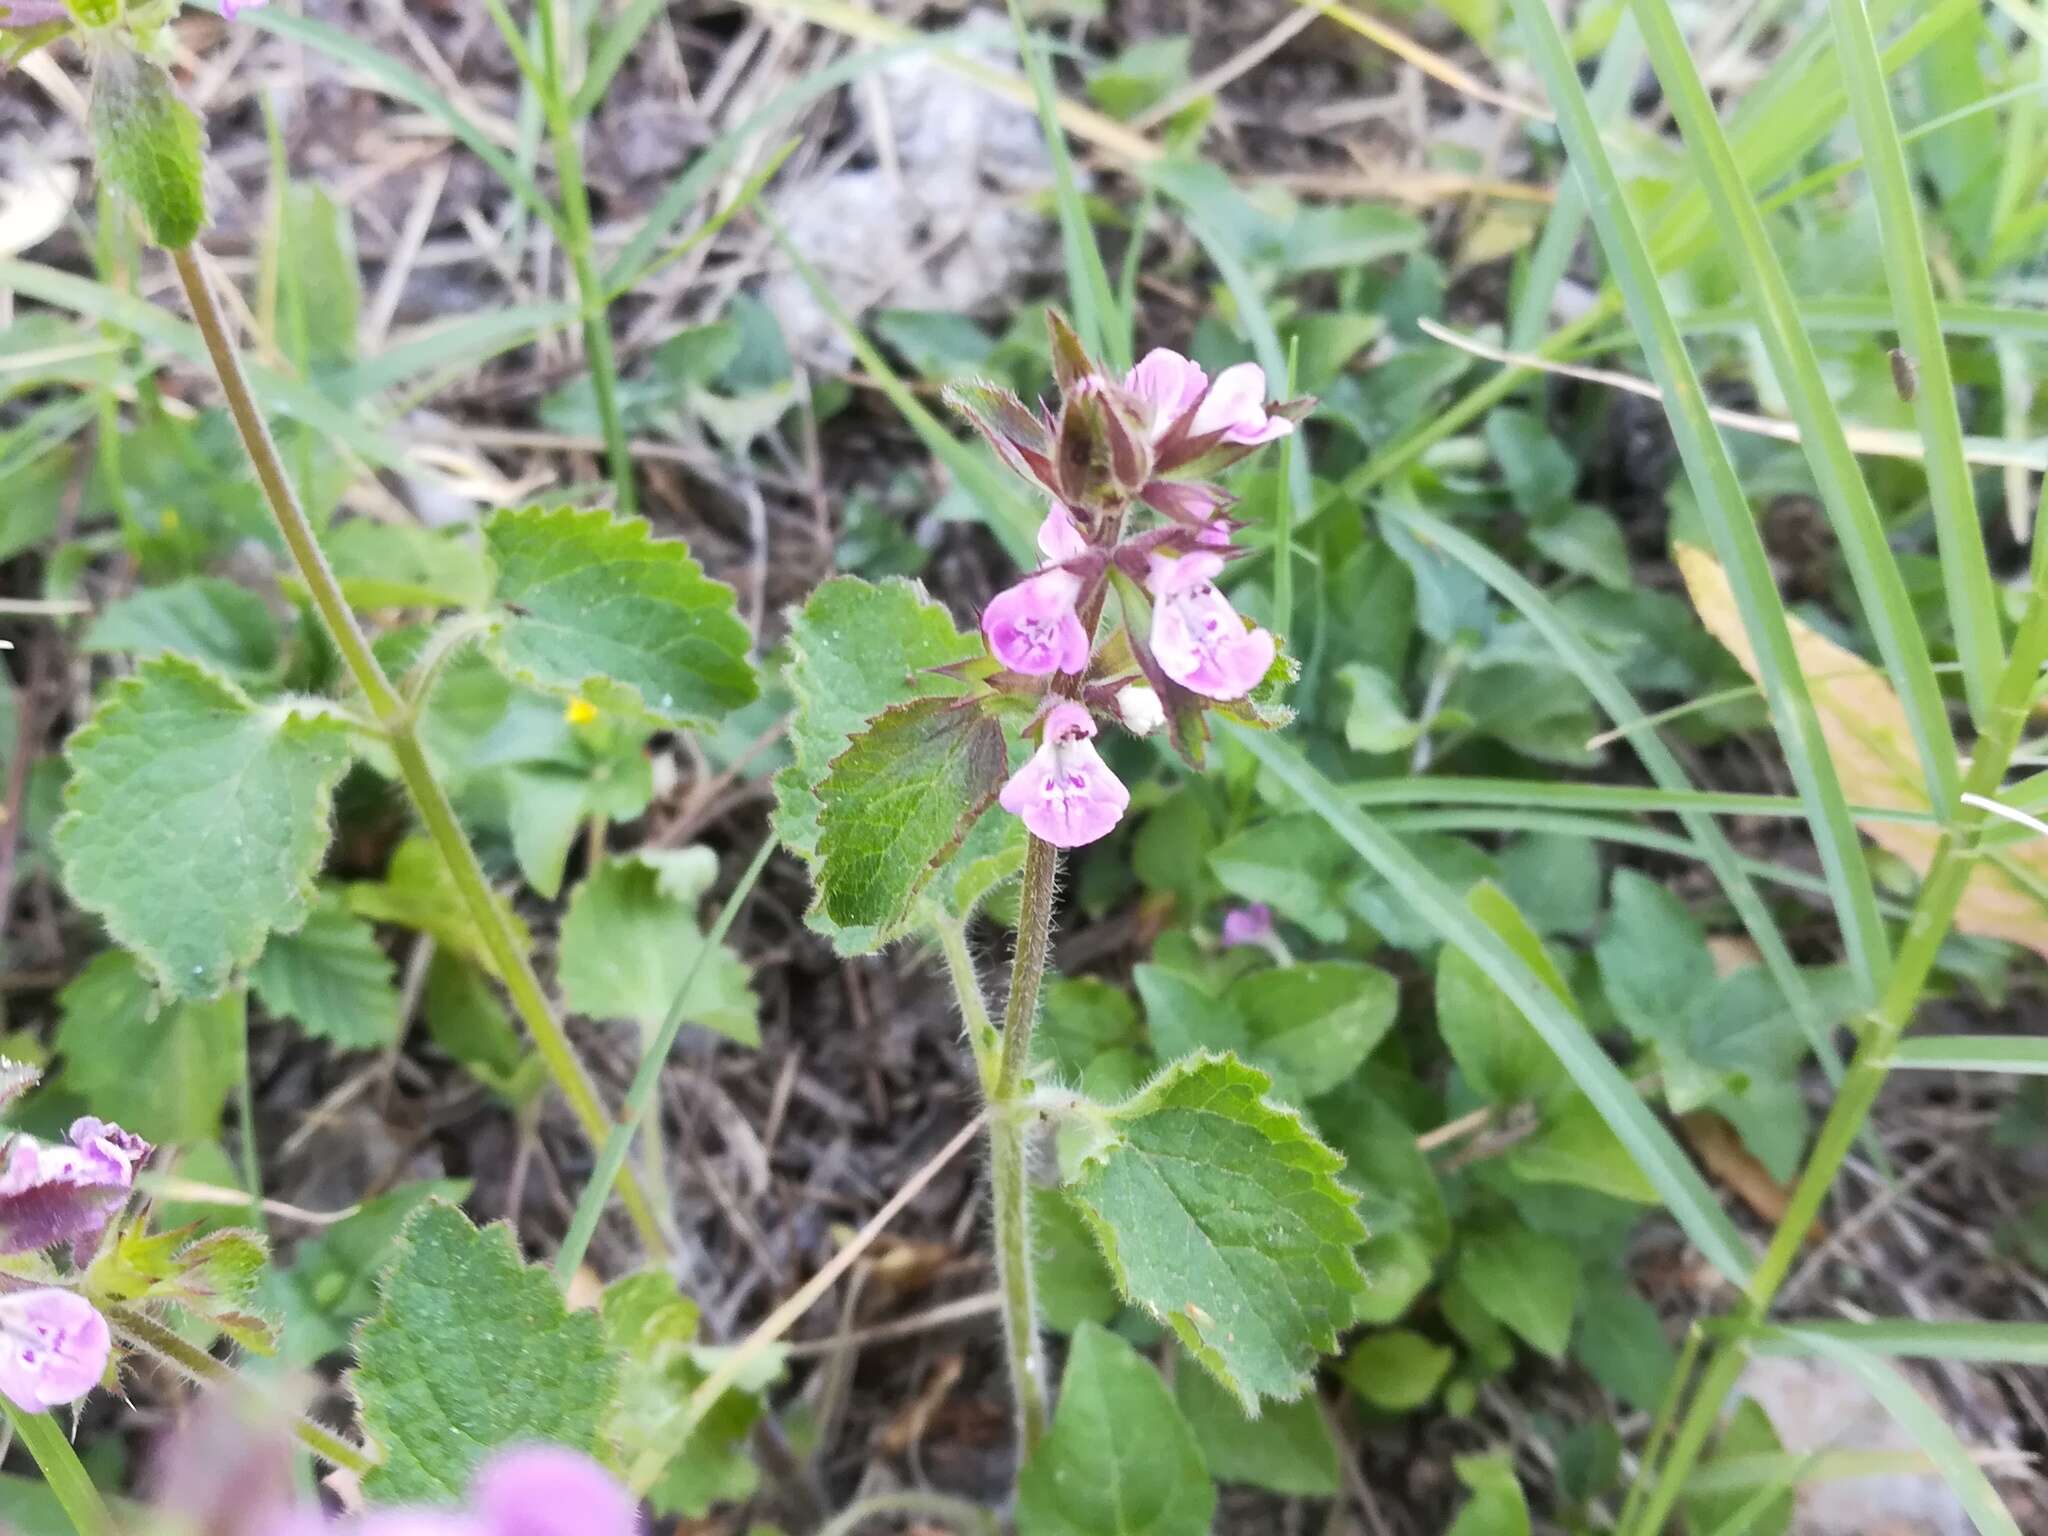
point(1967, 1343)
point(1684, 1192)
point(1918, 1417)
point(1454, 789)
point(1858, 526)
point(1088, 287)
point(2022, 1054)
point(1723, 506)
point(1966, 572)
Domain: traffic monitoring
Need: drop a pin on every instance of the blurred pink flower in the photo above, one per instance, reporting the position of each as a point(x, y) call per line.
point(1236, 406)
point(1058, 538)
point(233, 8)
point(1167, 385)
point(1249, 924)
point(1032, 627)
point(32, 13)
point(53, 1347)
point(65, 1194)
point(1066, 793)
point(544, 1490)
point(1197, 637)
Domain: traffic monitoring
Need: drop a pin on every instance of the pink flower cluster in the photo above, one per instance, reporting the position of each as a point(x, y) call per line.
point(53, 1342)
point(1166, 419)
point(37, 13)
point(540, 1490)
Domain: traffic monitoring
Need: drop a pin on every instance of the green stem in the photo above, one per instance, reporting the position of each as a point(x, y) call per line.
point(68, 1481)
point(981, 1033)
point(1934, 910)
point(965, 1516)
point(145, 1333)
point(396, 718)
point(579, 243)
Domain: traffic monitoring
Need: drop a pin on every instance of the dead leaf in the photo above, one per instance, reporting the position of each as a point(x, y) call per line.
point(1714, 1142)
point(1872, 745)
point(908, 1426)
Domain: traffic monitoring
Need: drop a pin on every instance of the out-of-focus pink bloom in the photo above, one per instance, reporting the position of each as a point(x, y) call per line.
point(1032, 627)
point(1138, 709)
point(32, 13)
point(233, 8)
point(398, 1522)
point(544, 1490)
point(1058, 538)
point(1249, 924)
point(65, 1194)
point(1182, 500)
point(1197, 637)
point(1167, 385)
point(53, 1347)
point(1066, 793)
point(1236, 406)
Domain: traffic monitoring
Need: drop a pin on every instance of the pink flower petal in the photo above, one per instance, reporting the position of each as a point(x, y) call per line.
point(53, 1348)
point(1058, 538)
point(1197, 637)
point(546, 1490)
point(1168, 385)
point(1066, 793)
point(1032, 627)
point(1236, 407)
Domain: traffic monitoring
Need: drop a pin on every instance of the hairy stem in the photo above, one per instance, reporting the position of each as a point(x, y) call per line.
point(63, 1473)
point(1933, 915)
point(981, 1033)
point(140, 1331)
point(396, 719)
point(968, 1518)
point(579, 244)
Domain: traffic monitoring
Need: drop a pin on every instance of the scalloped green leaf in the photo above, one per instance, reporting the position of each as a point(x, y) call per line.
point(1220, 1213)
point(594, 606)
point(195, 820)
point(333, 977)
point(857, 648)
point(1119, 1459)
point(149, 144)
point(471, 1350)
point(898, 802)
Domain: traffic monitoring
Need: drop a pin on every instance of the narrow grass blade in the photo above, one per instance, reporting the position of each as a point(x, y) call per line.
point(461, 343)
point(612, 52)
point(1005, 512)
point(1452, 789)
point(2023, 1054)
point(1088, 287)
point(1872, 312)
point(1621, 707)
point(1723, 506)
point(1920, 1419)
point(1851, 510)
point(1966, 571)
point(64, 1474)
point(400, 83)
point(740, 202)
point(1967, 1343)
point(597, 1192)
point(1684, 1192)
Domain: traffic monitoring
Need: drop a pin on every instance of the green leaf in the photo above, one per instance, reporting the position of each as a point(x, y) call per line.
point(1621, 1341)
point(215, 622)
point(1529, 1280)
point(1575, 1146)
point(597, 608)
point(857, 648)
point(331, 1285)
point(1378, 720)
point(653, 1330)
point(1083, 1018)
point(1074, 1286)
point(1289, 863)
point(149, 144)
point(1311, 1026)
point(332, 977)
point(898, 802)
point(401, 565)
point(1503, 1058)
point(466, 1020)
point(1496, 1507)
point(195, 820)
point(1653, 957)
point(419, 893)
point(1119, 1459)
point(1221, 1215)
point(162, 1073)
point(471, 1350)
point(1287, 1449)
point(631, 937)
point(1748, 1434)
point(1398, 1370)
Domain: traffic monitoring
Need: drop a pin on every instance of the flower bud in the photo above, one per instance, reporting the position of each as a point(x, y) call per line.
point(1138, 709)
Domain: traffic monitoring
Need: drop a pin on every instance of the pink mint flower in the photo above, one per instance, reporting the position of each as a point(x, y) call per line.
point(1197, 637)
point(1167, 385)
point(1066, 793)
point(1236, 406)
point(32, 13)
point(544, 1490)
point(1058, 539)
point(1032, 627)
point(65, 1194)
point(53, 1348)
point(233, 8)
point(1250, 924)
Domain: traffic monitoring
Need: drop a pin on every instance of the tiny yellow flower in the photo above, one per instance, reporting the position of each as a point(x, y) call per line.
point(170, 520)
point(580, 712)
